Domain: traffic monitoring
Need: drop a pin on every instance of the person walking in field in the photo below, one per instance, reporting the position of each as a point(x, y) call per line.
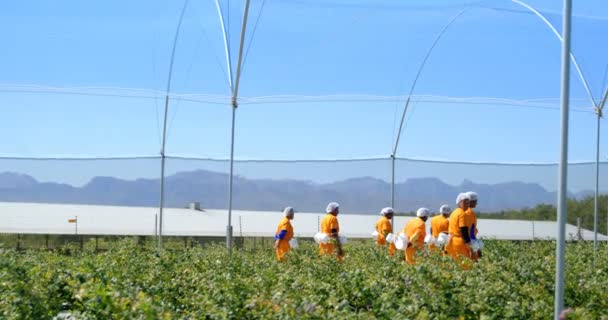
point(284, 234)
point(384, 228)
point(440, 224)
point(415, 230)
point(473, 216)
point(459, 245)
point(331, 227)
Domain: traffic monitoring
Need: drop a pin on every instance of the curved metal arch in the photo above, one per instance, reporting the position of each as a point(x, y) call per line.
point(443, 31)
point(226, 46)
point(424, 60)
point(559, 36)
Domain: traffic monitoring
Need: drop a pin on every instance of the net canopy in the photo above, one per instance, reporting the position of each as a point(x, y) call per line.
point(323, 88)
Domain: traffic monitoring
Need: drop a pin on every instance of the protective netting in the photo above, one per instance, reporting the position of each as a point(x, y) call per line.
point(482, 48)
point(323, 89)
point(129, 182)
point(361, 186)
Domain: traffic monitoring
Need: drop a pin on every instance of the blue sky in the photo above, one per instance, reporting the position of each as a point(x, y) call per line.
point(303, 48)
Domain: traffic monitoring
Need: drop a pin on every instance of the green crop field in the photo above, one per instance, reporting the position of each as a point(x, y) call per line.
point(513, 280)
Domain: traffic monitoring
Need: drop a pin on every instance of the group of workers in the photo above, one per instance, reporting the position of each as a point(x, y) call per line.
point(452, 233)
point(329, 228)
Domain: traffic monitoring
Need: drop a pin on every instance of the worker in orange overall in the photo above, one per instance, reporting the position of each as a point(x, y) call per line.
point(384, 228)
point(415, 230)
point(475, 255)
point(439, 224)
point(459, 244)
point(283, 234)
point(331, 227)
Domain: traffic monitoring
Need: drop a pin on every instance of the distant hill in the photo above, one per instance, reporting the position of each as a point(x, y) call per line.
point(357, 195)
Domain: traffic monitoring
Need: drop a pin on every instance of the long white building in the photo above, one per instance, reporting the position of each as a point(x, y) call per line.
point(42, 218)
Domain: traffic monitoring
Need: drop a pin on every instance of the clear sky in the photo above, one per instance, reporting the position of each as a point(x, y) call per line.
point(496, 49)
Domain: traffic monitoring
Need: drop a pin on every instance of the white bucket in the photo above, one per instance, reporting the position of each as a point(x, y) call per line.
point(293, 243)
point(476, 245)
point(343, 239)
point(428, 239)
point(442, 239)
point(401, 242)
point(375, 235)
point(321, 238)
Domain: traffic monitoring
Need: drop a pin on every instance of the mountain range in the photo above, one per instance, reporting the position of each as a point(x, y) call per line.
point(356, 195)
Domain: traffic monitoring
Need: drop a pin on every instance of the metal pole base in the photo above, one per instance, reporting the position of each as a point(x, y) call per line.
point(229, 238)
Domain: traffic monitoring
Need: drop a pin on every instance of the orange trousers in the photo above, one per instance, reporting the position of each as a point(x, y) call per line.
point(282, 250)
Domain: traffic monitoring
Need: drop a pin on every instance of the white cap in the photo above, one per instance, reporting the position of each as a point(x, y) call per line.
point(461, 197)
point(472, 196)
point(445, 209)
point(386, 211)
point(331, 207)
point(423, 212)
point(287, 211)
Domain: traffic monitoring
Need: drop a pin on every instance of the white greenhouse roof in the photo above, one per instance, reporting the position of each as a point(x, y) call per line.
point(42, 218)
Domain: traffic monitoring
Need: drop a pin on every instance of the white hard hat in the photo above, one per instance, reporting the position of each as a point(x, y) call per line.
point(445, 209)
point(386, 211)
point(287, 211)
point(461, 197)
point(423, 212)
point(472, 196)
point(331, 207)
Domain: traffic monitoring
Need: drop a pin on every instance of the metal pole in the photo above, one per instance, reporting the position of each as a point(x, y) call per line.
point(164, 140)
point(597, 185)
point(229, 226)
point(409, 97)
point(563, 164)
point(229, 73)
point(393, 189)
point(162, 175)
point(156, 226)
point(598, 111)
point(235, 95)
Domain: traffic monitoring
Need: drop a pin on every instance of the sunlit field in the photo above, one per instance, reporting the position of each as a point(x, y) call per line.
point(512, 280)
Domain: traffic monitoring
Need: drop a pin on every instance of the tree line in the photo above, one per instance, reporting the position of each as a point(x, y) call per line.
point(545, 212)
